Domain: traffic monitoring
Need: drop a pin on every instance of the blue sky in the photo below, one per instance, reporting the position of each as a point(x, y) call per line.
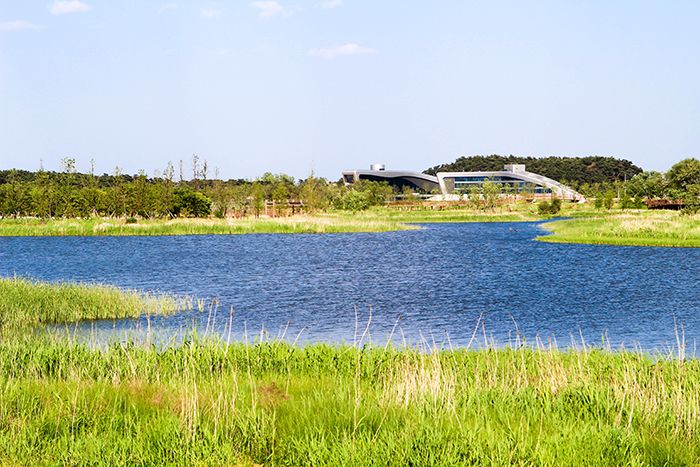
point(295, 86)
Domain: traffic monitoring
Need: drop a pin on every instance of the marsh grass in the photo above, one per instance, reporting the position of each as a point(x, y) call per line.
point(276, 403)
point(643, 228)
point(26, 303)
point(116, 227)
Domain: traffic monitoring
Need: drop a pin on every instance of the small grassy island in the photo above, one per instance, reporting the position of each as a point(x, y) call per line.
point(274, 403)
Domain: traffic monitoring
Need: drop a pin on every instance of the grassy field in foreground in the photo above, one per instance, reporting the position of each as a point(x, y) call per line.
point(273, 403)
point(26, 303)
point(644, 228)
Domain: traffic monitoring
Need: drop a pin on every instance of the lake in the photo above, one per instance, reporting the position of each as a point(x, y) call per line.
point(444, 279)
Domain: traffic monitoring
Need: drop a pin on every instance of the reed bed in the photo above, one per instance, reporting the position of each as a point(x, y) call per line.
point(642, 228)
point(26, 303)
point(117, 227)
point(274, 403)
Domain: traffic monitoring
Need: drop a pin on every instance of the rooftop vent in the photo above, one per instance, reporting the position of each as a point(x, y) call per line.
point(377, 167)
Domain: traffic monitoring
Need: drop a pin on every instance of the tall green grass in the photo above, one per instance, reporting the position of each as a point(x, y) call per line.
point(644, 228)
point(26, 303)
point(275, 403)
point(116, 227)
point(204, 401)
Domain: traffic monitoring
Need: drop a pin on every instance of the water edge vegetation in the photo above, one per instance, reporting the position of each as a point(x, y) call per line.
point(209, 401)
point(641, 228)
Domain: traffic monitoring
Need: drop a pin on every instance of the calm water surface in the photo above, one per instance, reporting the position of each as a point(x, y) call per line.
point(441, 278)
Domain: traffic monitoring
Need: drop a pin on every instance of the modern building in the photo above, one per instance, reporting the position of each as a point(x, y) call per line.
point(515, 177)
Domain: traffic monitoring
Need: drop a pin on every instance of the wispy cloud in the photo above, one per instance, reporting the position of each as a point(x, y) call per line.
point(18, 25)
point(169, 6)
point(269, 8)
point(331, 3)
point(74, 6)
point(210, 13)
point(334, 52)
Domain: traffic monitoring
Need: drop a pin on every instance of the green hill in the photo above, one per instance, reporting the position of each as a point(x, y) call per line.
point(579, 170)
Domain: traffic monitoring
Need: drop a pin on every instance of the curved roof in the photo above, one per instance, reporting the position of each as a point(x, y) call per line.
point(527, 177)
point(397, 177)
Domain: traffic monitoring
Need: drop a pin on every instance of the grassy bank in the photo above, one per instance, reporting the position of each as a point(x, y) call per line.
point(272, 403)
point(287, 225)
point(643, 228)
point(206, 402)
point(25, 303)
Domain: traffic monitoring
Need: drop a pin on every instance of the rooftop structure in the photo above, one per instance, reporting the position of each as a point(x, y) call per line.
point(514, 176)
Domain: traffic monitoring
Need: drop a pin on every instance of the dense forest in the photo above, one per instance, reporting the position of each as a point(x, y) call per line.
point(568, 170)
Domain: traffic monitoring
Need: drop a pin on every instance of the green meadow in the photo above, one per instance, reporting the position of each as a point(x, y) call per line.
point(643, 228)
point(270, 402)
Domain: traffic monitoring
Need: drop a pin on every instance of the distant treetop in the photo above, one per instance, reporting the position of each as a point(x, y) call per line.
point(590, 169)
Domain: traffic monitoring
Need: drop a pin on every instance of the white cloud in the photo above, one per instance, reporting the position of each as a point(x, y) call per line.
point(331, 3)
point(74, 6)
point(269, 8)
point(349, 49)
point(169, 6)
point(18, 25)
point(210, 13)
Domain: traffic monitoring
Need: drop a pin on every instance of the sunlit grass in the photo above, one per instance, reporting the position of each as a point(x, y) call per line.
point(274, 403)
point(294, 224)
point(643, 228)
point(205, 401)
point(25, 303)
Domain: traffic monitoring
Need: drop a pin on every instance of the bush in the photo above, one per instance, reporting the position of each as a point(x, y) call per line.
point(131, 220)
point(598, 204)
point(555, 205)
point(544, 208)
point(191, 203)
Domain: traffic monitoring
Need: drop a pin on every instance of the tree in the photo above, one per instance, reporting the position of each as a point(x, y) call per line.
point(356, 201)
point(647, 184)
point(609, 199)
point(191, 203)
point(491, 192)
point(684, 183)
point(280, 195)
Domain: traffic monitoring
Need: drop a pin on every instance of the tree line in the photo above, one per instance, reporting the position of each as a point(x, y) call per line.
point(579, 170)
point(71, 194)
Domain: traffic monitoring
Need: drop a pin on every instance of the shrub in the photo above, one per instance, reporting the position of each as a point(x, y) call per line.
point(555, 205)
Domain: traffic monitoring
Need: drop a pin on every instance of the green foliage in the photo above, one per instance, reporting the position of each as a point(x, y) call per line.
point(608, 200)
point(625, 200)
point(598, 203)
point(647, 184)
point(356, 201)
point(552, 207)
point(555, 206)
point(187, 202)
